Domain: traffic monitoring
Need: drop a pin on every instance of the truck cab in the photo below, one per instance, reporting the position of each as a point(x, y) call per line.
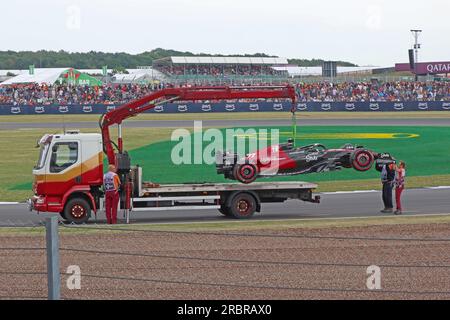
point(68, 175)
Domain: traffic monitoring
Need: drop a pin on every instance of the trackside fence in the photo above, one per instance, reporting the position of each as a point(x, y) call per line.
point(142, 262)
point(237, 106)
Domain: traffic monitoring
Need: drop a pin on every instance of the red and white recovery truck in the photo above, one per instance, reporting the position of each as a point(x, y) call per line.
point(69, 173)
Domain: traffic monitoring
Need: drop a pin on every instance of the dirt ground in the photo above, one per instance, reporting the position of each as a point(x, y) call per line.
point(278, 264)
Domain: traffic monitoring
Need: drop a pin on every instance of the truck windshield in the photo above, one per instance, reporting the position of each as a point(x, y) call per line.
point(42, 156)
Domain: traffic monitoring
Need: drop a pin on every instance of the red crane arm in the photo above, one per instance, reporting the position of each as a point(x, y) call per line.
point(150, 101)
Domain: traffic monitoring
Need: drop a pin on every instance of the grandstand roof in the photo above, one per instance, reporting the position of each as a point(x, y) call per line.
point(317, 71)
point(136, 75)
point(228, 60)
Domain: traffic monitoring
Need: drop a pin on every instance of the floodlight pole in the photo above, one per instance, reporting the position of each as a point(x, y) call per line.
point(416, 33)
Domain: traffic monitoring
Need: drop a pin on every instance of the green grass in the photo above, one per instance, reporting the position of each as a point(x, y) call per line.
point(233, 116)
point(427, 154)
point(427, 157)
point(240, 225)
point(374, 184)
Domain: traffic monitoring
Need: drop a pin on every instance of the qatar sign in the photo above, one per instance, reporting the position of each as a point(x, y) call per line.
point(426, 67)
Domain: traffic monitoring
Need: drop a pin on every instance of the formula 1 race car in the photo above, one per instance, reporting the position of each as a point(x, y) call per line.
point(284, 159)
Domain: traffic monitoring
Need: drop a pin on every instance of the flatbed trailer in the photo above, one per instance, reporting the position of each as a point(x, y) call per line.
point(74, 188)
point(235, 200)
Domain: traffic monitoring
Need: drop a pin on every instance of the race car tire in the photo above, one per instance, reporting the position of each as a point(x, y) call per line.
point(362, 160)
point(245, 173)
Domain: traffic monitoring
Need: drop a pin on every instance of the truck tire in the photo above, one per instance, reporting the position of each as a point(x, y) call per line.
point(63, 215)
point(242, 206)
point(362, 160)
point(77, 210)
point(225, 210)
point(245, 173)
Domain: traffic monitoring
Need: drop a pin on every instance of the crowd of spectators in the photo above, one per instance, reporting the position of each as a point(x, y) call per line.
point(218, 70)
point(42, 94)
point(374, 91)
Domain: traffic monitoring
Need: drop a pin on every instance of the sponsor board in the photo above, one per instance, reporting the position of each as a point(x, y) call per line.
point(237, 107)
point(182, 108)
point(399, 106)
point(325, 106)
point(230, 107)
point(16, 110)
point(350, 106)
point(374, 106)
point(87, 109)
point(422, 105)
point(253, 107)
point(206, 107)
point(63, 109)
point(277, 106)
point(302, 106)
point(39, 109)
point(159, 108)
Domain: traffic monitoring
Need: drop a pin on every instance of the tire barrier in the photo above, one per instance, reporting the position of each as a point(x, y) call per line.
point(237, 107)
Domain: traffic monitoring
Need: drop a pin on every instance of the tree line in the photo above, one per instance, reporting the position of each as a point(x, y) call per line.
point(95, 60)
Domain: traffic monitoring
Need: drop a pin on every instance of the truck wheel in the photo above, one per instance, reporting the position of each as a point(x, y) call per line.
point(77, 210)
point(242, 206)
point(63, 215)
point(362, 160)
point(225, 210)
point(245, 173)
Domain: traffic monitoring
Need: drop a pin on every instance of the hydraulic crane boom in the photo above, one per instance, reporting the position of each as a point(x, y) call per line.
point(154, 99)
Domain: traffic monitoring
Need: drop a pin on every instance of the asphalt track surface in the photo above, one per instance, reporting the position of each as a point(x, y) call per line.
point(333, 205)
point(235, 123)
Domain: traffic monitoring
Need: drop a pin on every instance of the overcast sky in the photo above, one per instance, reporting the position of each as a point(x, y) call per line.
point(374, 32)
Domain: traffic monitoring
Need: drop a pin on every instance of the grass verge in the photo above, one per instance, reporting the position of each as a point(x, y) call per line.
point(242, 225)
point(374, 184)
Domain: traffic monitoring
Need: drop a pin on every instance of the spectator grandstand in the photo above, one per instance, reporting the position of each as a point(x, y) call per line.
point(44, 94)
point(218, 70)
point(219, 66)
point(374, 91)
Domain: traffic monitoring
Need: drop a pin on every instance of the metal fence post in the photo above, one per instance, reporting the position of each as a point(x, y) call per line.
point(53, 275)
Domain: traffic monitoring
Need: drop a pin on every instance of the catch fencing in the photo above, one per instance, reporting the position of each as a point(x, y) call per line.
point(125, 262)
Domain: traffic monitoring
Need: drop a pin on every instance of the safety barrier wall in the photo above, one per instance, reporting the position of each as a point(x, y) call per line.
point(237, 107)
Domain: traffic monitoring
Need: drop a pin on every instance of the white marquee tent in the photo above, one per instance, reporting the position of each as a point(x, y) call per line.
point(41, 75)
